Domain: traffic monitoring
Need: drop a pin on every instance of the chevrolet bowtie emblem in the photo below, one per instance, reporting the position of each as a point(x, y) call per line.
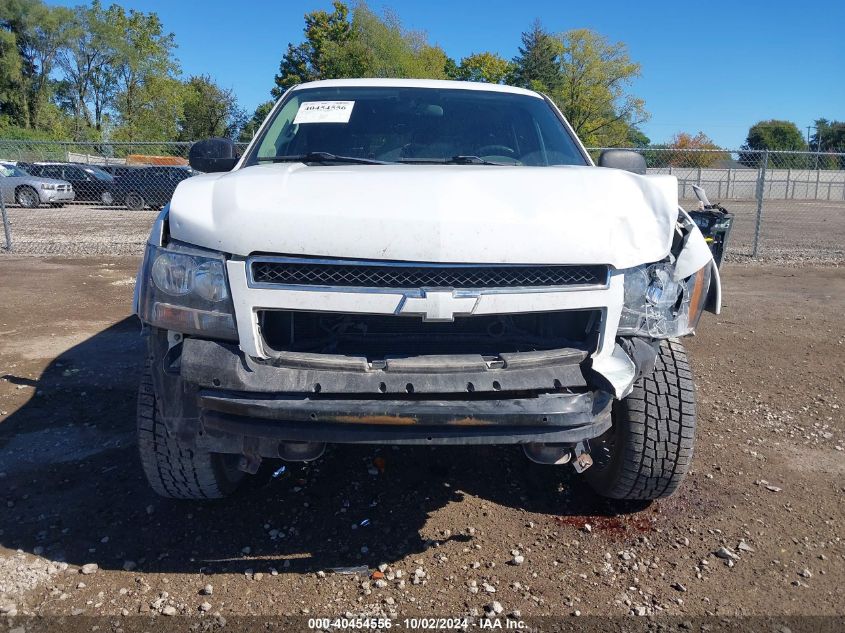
point(438, 305)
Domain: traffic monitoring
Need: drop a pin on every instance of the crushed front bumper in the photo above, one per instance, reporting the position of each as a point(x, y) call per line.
point(216, 397)
point(549, 418)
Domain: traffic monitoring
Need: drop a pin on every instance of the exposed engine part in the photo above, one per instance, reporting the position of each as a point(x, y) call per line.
point(555, 454)
point(301, 451)
point(250, 461)
point(582, 457)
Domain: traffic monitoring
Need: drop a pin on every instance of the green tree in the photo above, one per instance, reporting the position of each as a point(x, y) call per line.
point(486, 67)
point(360, 44)
point(208, 110)
point(536, 65)
point(306, 61)
point(157, 110)
point(775, 135)
point(86, 62)
point(636, 137)
point(829, 137)
point(143, 62)
point(592, 90)
point(40, 33)
point(11, 79)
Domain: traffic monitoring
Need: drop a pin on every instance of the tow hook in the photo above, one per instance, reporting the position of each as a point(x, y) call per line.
point(582, 459)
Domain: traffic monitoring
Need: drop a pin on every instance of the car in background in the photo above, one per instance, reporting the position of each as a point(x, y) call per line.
point(149, 186)
point(118, 171)
point(19, 186)
point(90, 183)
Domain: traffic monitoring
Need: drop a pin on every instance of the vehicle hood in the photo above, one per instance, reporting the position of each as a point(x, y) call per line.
point(431, 213)
point(38, 180)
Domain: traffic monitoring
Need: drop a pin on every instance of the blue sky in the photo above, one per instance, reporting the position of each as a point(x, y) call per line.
point(715, 67)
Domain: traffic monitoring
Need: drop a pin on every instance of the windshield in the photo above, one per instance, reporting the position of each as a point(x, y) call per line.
point(99, 174)
point(418, 125)
point(11, 171)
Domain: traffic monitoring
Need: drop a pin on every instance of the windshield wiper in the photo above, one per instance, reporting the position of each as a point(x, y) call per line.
point(461, 159)
point(321, 157)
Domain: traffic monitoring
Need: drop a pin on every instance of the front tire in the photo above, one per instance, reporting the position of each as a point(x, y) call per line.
point(176, 471)
point(648, 451)
point(27, 197)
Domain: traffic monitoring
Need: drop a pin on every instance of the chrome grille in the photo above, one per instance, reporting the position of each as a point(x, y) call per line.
point(400, 275)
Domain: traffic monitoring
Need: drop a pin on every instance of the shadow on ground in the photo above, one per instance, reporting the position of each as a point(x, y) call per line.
point(73, 488)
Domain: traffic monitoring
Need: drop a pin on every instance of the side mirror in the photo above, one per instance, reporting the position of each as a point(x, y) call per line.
point(623, 159)
point(213, 154)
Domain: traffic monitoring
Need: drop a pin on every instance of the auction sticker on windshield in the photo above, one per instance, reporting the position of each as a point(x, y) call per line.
point(324, 112)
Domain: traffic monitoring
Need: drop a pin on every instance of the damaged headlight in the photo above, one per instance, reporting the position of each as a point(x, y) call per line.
point(186, 290)
point(659, 306)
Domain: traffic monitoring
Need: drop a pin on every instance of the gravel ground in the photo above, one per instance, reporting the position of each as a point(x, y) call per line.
point(794, 231)
point(757, 528)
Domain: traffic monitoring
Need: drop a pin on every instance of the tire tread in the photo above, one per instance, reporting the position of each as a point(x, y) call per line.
point(173, 470)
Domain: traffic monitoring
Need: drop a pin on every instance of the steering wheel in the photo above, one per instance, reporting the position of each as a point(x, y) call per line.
point(497, 150)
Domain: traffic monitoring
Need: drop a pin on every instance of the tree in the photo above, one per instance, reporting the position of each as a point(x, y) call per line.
point(363, 45)
point(829, 137)
point(305, 62)
point(486, 67)
point(686, 150)
point(636, 138)
point(536, 65)
point(594, 76)
point(144, 60)
point(87, 64)
point(11, 79)
point(208, 110)
point(775, 135)
point(40, 32)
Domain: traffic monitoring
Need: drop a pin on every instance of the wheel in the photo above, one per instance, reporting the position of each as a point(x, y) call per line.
point(27, 197)
point(106, 197)
point(647, 452)
point(176, 471)
point(134, 201)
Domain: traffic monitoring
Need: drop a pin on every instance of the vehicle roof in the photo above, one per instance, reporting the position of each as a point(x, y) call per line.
point(59, 162)
point(440, 84)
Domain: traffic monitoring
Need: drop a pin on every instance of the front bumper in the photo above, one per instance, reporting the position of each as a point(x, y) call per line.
point(214, 396)
point(549, 418)
point(50, 195)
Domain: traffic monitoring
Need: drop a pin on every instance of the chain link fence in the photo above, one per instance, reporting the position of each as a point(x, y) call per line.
point(101, 198)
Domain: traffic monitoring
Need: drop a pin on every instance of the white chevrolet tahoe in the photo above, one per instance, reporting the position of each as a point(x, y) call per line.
point(420, 262)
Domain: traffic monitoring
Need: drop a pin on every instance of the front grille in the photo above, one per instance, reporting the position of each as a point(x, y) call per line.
point(387, 336)
point(376, 275)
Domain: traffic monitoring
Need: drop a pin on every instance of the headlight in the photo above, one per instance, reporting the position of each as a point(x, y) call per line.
point(186, 290)
point(48, 186)
point(657, 306)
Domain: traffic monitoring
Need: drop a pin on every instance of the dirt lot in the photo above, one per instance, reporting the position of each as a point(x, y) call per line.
point(768, 483)
point(793, 230)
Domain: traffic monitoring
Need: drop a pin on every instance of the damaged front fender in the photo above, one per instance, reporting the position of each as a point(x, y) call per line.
point(692, 255)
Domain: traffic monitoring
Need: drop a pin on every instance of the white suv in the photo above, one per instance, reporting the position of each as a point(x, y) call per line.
point(420, 262)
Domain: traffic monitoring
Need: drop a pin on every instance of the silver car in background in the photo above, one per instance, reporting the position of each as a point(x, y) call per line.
point(19, 186)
